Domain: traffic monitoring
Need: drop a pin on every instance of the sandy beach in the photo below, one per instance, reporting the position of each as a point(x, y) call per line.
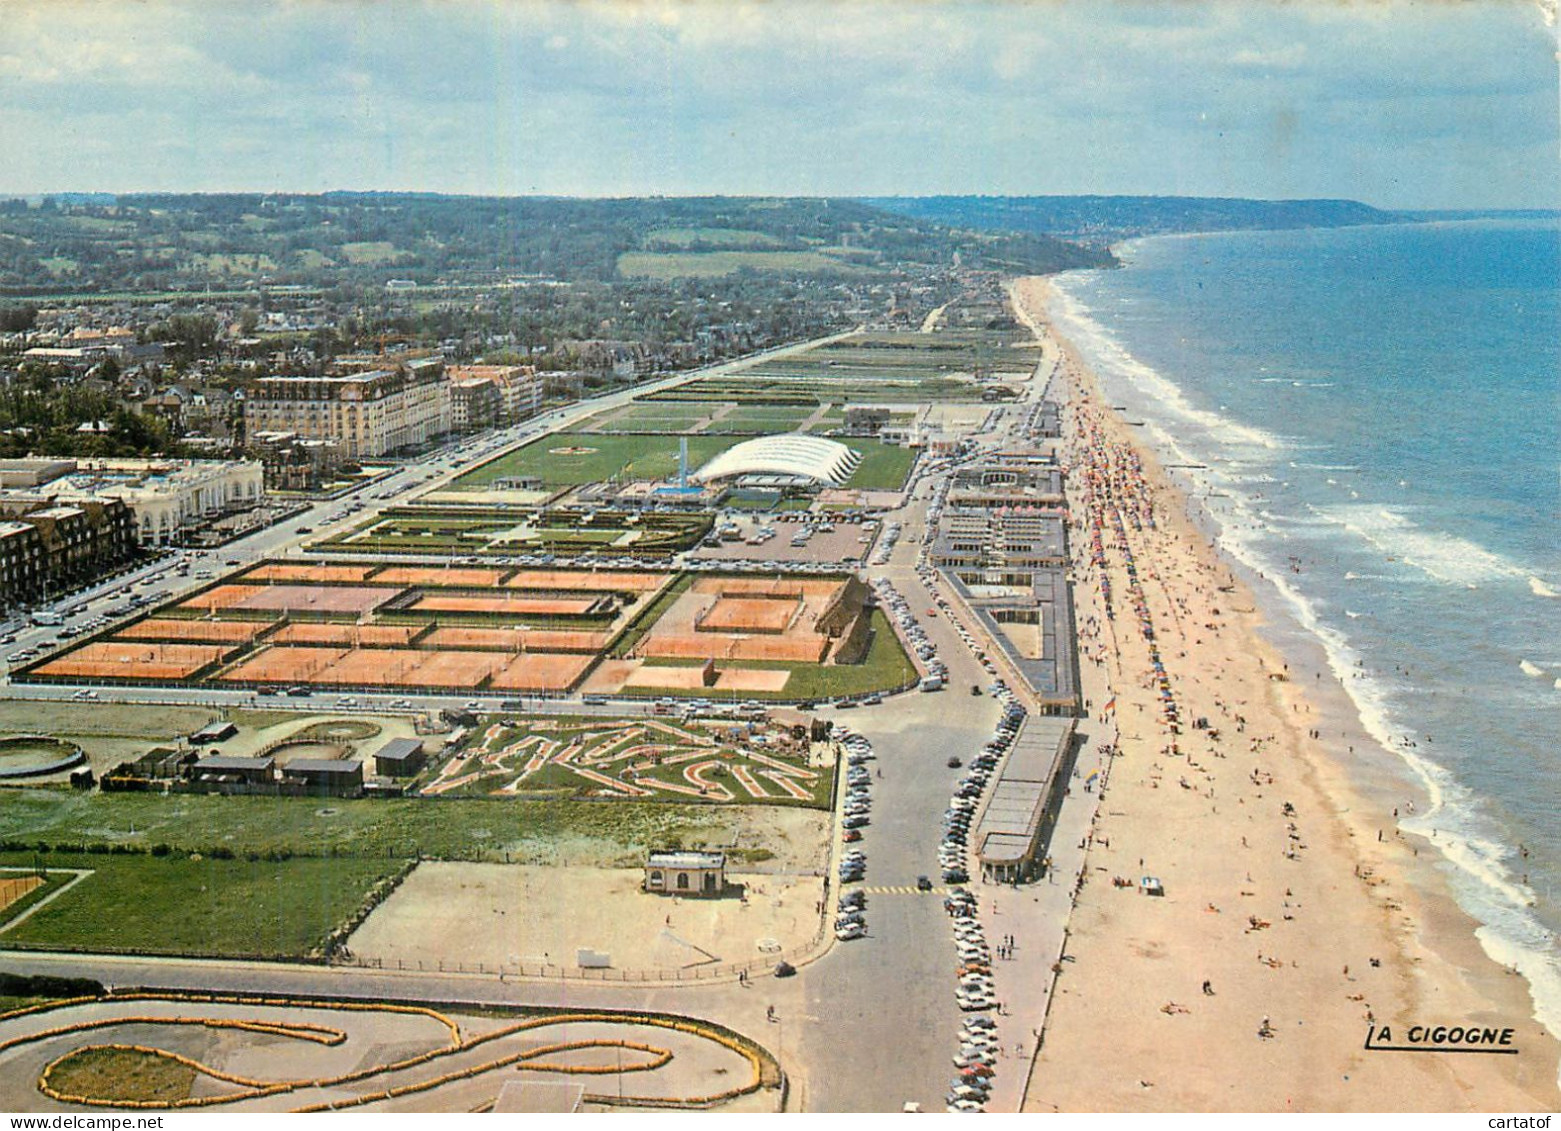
point(1295, 915)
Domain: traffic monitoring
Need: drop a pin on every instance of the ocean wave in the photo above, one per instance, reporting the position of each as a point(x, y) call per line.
point(1540, 589)
point(1445, 557)
point(1487, 888)
point(1531, 669)
point(1109, 355)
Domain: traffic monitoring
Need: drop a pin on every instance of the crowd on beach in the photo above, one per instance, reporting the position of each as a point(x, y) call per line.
point(1262, 930)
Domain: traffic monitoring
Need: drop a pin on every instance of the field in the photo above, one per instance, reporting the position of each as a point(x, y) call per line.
point(761, 419)
point(652, 417)
point(465, 531)
point(818, 387)
point(713, 418)
point(873, 368)
point(371, 252)
point(649, 759)
point(186, 905)
point(710, 237)
point(712, 264)
point(569, 459)
point(372, 832)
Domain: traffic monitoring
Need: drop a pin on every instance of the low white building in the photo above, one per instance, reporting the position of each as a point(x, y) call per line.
point(169, 497)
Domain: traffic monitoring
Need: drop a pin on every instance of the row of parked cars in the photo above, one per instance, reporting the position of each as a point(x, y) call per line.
point(915, 635)
point(967, 795)
point(891, 535)
point(976, 1060)
point(851, 911)
point(975, 992)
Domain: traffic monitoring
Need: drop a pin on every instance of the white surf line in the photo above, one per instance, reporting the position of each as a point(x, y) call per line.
point(80, 874)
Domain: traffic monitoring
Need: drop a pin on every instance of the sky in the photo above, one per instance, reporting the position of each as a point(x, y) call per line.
point(1436, 104)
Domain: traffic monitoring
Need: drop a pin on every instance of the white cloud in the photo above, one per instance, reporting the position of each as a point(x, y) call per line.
point(1285, 58)
point(784, 95)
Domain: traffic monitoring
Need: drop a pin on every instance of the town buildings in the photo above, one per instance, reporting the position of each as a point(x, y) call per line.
point(518, 386)
point(367, 414)
point(168, 498)
point(49, 547)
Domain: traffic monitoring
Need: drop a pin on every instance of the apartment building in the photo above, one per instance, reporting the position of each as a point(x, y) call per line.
point(367, 414)
point(48, 547)
point(519, 387)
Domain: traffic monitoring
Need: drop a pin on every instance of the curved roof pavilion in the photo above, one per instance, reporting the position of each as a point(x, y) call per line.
point(792, 453)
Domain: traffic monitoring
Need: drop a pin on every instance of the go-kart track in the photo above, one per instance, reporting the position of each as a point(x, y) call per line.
point(642, 759)
point(172, 1052)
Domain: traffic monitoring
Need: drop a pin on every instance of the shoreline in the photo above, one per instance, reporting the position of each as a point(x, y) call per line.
point(1366, 932)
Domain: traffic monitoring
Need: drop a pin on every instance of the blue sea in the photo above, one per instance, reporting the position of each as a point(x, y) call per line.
point(1377, 412)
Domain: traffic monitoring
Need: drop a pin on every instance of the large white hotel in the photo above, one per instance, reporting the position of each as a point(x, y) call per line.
point(366, 414)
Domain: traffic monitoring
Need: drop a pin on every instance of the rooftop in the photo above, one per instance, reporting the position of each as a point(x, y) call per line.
point(790, 453)
point(686, 860)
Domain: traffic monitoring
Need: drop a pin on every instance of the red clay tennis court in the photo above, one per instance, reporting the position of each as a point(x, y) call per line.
point(456, 669)
point(596, 581)
point(767, 586)
point(751, 614)
point(798, 648)
point(194, 631)
point(692, 679)
point(315, 598)
point(282, 665)
point(347, 635)
point(115, 659)
point(542, 671)
point(517, 639)
point(220, 597)
point(306, 571)
point(439, 577)
point(509, 606)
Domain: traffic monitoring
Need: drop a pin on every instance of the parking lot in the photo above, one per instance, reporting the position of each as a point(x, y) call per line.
point(790, 537)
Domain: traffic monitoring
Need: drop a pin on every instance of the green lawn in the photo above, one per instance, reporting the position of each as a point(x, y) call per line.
point(883, 466)
point(650, 417)
point(370, 831)
point(175, 904)
point(641, 457)
point(410, 529)
point(763, 419)
point(820, 387)
point(628, 457)
point(122, 1075)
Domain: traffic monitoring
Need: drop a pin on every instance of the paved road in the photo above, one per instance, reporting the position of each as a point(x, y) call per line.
point(870, 1025)
point(883, 1006)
